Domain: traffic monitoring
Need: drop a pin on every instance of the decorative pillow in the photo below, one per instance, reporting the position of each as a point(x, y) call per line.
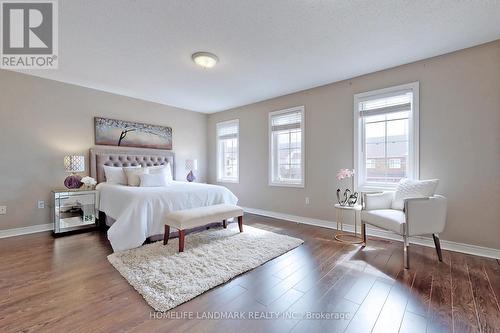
point(153, 180)
point(413, 189)
point(116, 175)
point(165, 170)
point(133, 175)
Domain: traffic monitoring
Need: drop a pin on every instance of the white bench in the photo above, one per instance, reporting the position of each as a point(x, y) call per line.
point(197, 217)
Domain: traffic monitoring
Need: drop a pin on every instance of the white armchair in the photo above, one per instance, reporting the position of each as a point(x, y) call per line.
point(420, 216)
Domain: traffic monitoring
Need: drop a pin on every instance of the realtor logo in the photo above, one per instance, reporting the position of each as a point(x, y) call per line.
point(29, 35)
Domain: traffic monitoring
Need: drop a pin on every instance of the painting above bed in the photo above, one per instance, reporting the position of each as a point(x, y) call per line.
point(112, 132)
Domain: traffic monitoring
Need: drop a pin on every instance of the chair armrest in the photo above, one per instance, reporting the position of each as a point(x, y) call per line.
point(381, 200)
point(425, 215)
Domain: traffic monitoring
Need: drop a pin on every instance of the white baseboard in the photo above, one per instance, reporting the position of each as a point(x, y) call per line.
point(26, 230)
point(425, 241)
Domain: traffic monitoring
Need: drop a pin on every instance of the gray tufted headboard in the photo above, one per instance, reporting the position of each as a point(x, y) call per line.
point(127, 157)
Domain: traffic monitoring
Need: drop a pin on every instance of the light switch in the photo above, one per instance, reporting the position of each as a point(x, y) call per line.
point(3, 210)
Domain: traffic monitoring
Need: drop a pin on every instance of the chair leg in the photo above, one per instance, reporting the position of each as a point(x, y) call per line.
point(240, 223)
point(437, 243)
point(363, 233)
point(166, 235)
point(406, 251)
point(224, 224)
point(181, 240)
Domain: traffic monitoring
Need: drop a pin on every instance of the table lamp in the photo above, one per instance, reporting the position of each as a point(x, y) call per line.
point(74, 164)
point(191, 165)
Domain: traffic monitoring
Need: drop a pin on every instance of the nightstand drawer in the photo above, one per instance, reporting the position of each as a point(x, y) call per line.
point(76, 200)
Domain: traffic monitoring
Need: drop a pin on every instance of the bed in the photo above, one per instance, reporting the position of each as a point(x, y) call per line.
point(135, 214)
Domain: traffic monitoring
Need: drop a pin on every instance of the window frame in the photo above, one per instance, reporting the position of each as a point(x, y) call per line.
point(271, 181)
point(220, 178)
point(413, 137)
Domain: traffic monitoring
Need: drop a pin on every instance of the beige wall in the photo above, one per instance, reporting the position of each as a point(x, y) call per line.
point(459, 141)
point(42, 120)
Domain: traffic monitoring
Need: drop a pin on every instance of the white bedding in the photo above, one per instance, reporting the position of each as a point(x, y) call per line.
point(140, 211)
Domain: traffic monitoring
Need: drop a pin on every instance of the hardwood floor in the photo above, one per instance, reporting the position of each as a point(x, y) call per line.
point(67, 285)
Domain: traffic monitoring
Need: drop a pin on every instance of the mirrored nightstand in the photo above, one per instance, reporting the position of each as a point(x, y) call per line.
point(74, 210)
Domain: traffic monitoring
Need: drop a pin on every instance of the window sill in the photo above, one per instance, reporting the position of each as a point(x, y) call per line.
point(232, 181)
point(376, 188)
point(286, 185)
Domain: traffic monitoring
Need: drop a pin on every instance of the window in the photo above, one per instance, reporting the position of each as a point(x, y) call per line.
point(386, 136)
point(395, 163)
point(370, 163)
point(228, 151)
point(286, 147)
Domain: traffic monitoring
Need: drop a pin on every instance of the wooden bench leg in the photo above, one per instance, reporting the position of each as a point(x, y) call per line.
point(181, 240)
point(166, 235)
point(240, 223)
point(224, 224)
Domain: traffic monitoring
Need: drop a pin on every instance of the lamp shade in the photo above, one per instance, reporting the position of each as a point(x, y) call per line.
point(191, 165)
point(74, 163)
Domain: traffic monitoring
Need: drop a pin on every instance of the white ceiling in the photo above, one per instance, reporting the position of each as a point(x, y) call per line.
point(266, 48)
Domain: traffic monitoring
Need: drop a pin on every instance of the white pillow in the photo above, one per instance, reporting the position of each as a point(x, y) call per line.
point(116, 175)
point(165, 170)
point(133, 175)
point(153, 180)
point(413, 189)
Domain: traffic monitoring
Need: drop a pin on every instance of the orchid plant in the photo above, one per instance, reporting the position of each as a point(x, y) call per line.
point(345, 173)
point(348, 198)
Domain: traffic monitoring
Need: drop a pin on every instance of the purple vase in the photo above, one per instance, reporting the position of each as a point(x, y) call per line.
point(190, 177)
point(73, 182)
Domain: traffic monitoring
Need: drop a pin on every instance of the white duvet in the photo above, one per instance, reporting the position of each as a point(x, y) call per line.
point(140, 211)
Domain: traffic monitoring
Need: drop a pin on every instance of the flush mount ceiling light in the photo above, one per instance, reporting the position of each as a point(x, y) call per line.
point(205, 59)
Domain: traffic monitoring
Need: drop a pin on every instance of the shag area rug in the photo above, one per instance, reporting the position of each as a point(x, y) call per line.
point(166, 278)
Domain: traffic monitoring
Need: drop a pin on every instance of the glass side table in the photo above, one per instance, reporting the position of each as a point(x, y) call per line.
point(74, 210)
point(342, 236)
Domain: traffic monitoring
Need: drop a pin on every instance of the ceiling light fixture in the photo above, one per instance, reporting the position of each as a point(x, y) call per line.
point(205, 59)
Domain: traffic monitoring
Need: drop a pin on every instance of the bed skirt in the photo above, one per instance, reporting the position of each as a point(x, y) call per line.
point(108, 221)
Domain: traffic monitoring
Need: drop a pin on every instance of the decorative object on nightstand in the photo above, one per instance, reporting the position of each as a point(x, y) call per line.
point(342, 236)
point(349, 198)
point(74, 210)
point(74, 164)
point(191, 165)
point(89, 183)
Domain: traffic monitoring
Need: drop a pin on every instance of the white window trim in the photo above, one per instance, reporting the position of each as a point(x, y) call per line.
point(218, 154)
point(413, 134)
point(302, 148)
